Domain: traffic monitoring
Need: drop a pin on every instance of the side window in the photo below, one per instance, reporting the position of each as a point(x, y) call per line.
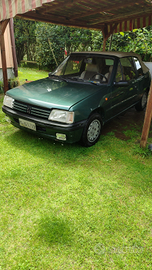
point(138, 67)
point(128, 68)
point(119, 74)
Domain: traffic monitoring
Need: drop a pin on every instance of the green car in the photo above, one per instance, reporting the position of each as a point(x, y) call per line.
point(75, 101)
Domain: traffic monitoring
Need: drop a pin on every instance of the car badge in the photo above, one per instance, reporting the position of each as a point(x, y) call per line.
point(29, 108)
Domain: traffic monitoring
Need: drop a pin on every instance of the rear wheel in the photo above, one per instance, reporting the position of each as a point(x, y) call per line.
point(141, 105)
point(92, 130)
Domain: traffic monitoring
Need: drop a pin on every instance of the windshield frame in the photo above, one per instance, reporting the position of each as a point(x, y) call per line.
point(61, 70)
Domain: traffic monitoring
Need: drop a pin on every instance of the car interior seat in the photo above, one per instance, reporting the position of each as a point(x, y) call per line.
point(90, 72)
point(108, 74)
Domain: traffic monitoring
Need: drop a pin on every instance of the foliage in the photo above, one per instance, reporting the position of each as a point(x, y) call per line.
point(58, 39)
point(25, 39)
point(46, 43)
point(77, 39)
point(49, 45)
point(97, 40)
point(1, 87)
point(138, 41)
point(11, 84)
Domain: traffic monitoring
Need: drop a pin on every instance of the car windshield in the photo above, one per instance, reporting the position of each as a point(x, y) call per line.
point(86, 68)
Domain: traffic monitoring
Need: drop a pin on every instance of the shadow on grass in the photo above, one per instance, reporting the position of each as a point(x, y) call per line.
point(123, 128)
point(130, 120)
point(113, 142)
point(54, 230)
point(43, 147)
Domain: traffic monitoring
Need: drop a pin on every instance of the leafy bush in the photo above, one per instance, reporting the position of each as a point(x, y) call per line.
point(1, 87)
point(46, 43)
point(137, 40)
point(25, 40)
point(53, 40)
point(47, 35)
point(11, 84)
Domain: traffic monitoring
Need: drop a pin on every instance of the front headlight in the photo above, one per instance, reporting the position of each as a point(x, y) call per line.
point(61, 116)
point(8, 101)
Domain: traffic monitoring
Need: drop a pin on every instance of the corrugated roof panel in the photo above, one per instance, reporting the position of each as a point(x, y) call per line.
point(95, 14)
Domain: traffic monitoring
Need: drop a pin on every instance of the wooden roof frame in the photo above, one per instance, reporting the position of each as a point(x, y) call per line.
point(106, 15)
point(92, 14)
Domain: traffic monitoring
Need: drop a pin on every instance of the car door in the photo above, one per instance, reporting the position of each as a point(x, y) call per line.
point(125, 86)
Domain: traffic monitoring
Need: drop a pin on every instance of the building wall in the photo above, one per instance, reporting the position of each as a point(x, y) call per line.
point(9, 56)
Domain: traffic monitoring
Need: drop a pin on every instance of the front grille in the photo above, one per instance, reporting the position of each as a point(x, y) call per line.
point(31, 110)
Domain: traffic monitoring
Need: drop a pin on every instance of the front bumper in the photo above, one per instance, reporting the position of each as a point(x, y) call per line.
point(46, 128)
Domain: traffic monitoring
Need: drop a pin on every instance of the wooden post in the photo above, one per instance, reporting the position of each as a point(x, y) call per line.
point(110, 45)
point(5, 79)
point(104, 44)
point(3, 25)
point(107, 34)
point(147, 120)
point(11, 25)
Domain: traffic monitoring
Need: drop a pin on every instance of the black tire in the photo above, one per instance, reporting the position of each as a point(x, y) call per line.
point(141, 105)
point(92, 130)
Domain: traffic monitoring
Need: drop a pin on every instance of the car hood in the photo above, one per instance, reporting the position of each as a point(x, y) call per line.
point(52, 93)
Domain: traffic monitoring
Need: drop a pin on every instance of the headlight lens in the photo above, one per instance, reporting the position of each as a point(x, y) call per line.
point(8, 101)
point(61, 116)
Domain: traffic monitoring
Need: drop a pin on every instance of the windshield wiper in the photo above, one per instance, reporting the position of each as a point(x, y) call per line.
point(73, 79)
point(94, 82)
point(87, 81)
point(58, 77)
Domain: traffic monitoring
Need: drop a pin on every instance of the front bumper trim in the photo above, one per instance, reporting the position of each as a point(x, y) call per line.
point(47, 128)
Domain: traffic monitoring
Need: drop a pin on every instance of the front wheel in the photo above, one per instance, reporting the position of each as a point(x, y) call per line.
point(92, 130)
point(141, 105)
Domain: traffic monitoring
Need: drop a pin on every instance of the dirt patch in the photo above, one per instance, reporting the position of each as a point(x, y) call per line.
point(128, 121)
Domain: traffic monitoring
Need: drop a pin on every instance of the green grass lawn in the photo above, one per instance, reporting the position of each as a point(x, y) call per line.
point(30, 74)
point(68, 207)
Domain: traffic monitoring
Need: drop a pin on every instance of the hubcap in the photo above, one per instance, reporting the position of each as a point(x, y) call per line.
point(93, 130)
point(144, 100)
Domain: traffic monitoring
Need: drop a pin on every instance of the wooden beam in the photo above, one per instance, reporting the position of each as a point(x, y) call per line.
point(54, 20)
point(3, 25)
point(58, 5)
point(147, 120)
point(119, 18)
point(106, 9)
point(107, 34)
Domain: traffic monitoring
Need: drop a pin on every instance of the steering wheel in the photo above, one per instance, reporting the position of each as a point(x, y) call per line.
point(103, 76)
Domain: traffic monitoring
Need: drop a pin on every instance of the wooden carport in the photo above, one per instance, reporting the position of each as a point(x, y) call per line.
point(107, 16)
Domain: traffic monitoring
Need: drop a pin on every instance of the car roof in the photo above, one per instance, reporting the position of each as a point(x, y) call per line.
point(111, 53)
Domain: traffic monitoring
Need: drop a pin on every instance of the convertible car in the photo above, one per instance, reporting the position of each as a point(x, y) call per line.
point(75, 101)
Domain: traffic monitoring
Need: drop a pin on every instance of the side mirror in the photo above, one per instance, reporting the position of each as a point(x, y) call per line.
point(121, 83)
point(49, 74)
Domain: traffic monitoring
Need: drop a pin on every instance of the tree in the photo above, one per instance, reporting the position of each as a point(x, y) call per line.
point(53, 40)
point(24, 32)
point(46, 43)
point(49, 45)
point(77, 39)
